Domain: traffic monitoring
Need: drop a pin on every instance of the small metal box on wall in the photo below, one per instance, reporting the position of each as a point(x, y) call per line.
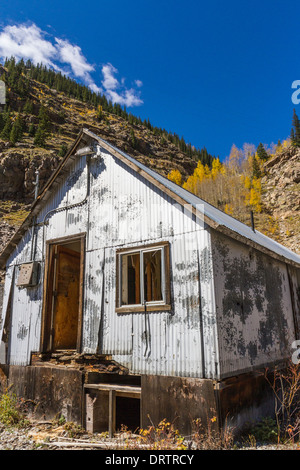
point(28, 274)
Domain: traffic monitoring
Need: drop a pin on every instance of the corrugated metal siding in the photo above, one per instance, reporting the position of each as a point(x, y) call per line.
point(294, 285)
point(117, 329)
point(93, 300)
point(142, 214)
point(254, 310)
point(124, 210)
point(27, 303)
point(167, 343)
point(8, 285)
point(25, 325)
point(208, 306)
point(72, 190)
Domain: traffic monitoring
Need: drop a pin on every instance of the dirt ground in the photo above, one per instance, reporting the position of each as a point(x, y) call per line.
point(48, 436)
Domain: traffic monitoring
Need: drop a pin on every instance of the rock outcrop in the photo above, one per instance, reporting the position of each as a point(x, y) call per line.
point(281, 196)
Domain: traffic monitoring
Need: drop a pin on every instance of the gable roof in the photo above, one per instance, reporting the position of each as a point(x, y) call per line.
point(212, 216)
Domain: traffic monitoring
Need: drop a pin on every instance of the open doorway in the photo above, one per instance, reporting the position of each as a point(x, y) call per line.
point(61, 329)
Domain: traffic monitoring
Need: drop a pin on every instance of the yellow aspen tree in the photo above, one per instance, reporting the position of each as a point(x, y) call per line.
point(255, 195)
point(193, 182)
point(247, 182)
point(200, 172)
point(228, 209)
point(175, 176)
point(217, 168)
point(235, 159)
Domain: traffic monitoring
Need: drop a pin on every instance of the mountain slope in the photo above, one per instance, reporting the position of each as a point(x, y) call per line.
point(65, 117)
point(69, 108)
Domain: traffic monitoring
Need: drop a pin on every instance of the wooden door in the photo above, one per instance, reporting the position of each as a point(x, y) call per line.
point(66, 299)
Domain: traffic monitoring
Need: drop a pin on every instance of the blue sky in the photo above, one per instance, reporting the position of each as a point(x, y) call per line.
point(218, 73)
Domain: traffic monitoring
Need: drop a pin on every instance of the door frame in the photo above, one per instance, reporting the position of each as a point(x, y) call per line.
point(46, 344)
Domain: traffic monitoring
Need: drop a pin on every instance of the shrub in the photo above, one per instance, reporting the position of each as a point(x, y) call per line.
point(210, 437)
point(10, 414)
point(265, 431)
point(285, 385)
point(163, 436)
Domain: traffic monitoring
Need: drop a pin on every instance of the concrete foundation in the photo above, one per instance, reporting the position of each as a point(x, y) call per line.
point(180, 400)
point(244, 399)
point(52, 391)
point(60, 391)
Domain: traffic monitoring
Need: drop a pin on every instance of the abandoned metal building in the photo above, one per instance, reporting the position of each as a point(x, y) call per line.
point(127, 297)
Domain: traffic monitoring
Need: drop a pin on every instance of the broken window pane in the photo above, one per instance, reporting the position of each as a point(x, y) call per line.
point(152, 276)
point(142, 277)
point(130, 284)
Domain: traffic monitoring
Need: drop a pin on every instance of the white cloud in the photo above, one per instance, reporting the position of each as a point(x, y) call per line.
point(109, 82)
point(27, 42)
point(116, 91)
point(72, 55)
point(30, 42)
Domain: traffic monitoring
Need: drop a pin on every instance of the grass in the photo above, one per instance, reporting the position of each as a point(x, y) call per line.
point(16, 218)
point(12, 213)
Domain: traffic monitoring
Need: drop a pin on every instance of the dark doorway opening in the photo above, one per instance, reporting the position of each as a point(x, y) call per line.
point(127, 413)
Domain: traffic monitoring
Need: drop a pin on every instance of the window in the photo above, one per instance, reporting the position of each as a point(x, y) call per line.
point(143, 278)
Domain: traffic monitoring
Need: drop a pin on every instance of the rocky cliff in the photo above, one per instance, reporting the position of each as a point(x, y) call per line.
point(281, 196)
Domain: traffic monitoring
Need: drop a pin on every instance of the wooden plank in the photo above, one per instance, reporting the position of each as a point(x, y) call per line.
point(119, 443)
point(121, 391)
point(46, 306)
point(141, 308)
point(112, 413)
point(81, 289)
point(124, 389)
point(67, 290)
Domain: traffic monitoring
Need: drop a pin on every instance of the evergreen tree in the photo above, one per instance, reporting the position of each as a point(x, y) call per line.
point(295, 132)
point(43, 128)
point(293, 136)
point(40, 137)
point(31, 130)
point(5, 134)
point(261, 152)
point(43, 118)
point(16, 132)
point(28, 107)
point(100, 113)
point(256, 171)
point(133, 139)
point(63, 150)
point(1, 122)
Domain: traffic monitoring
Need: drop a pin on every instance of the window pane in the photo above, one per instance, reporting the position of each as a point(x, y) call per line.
point(130, 282)
point(152, 276)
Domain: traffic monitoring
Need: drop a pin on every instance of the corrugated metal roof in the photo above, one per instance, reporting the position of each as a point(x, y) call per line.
point(219, 217)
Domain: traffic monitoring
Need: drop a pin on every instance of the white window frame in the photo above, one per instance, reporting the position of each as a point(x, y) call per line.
point(154, 304)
